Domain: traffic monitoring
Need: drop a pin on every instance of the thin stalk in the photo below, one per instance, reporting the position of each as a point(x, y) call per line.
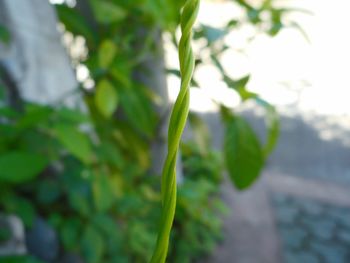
point(176, 126)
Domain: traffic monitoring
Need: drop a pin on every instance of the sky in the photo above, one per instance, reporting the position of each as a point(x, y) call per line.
point(290, 72)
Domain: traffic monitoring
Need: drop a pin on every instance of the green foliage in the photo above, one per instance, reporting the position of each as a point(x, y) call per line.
point(76, 23)
point(19, 167)
point(102, 190)
point(4, 35)
point(5, 235)
point(19, 259)
point(243, 153)
point(273, 126)
point(74, 141)
point(107, 12)
point(92, 245)
point(197, 224)
point(88, 173)
point(106, 98)
point(106, 53)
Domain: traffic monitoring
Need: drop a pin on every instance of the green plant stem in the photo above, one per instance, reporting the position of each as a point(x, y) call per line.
point(176, 126)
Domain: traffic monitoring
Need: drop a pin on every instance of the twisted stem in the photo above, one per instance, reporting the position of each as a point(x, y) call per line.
point(176, 126)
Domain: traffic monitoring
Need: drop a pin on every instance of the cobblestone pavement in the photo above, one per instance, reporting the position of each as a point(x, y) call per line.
point(299, 211)
point(312, 231)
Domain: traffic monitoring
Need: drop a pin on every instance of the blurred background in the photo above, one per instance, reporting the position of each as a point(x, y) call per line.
point(86, 89)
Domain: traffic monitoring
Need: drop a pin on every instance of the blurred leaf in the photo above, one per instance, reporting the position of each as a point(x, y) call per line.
point(110, 152)
point(108, 226)
point(76, 142)
point(301, 30)
point(20, 167)
point(200, 132)
point(107, 12)
point(253, 15)
point(243, 153)
point(137, 145)
point(275, 29)
point(69, 233)
point(273, 126)
point(141, 239)
point(72, 115)
point(106, 98)
point(149, 193)
point(4, 35)
point(211, 34)
point(79, 203)
point(138, 110)
point(21, 207)
point(240, 86)
point(25, 210)
point(34, 116)
point(106, 53)
point(232, 24)
point(102, 192)
point(164, 13)
point(19, 259)
point(48, 192)
point(153, 97)
point(92, 245)
point(244, 4)
point(75, 22)
point(5, 234)
point(121, 71)
point(276, 20)
point(8, 112)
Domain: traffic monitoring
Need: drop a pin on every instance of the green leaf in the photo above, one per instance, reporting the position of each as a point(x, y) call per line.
point(34, 116)
point(108, 226)
point(211, 34)
point(79, 203)
point(92, 245)
point(25, 210)
point(21, 207)
point(107, 12)
point(76, 142)
point(106, 98)
point(4, 35)
point(19, 167)
point(243, 153)
point(19, 259)
point(240, 86)
point(233, 23)
point(75, 22)
point(135, 144)
point(102, 193)
point(69, 232)
point(106, 53)
point(137, 108)
point(5, 235)
point(47, 192)
point(298, 27)
point(109, 152)
point(72, 115)
point(8, 112)
point(273, 126)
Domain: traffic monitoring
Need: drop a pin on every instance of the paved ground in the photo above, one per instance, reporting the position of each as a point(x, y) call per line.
point(300, 210)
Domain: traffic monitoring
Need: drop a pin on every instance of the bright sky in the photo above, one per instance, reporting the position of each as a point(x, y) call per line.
point(286, 70)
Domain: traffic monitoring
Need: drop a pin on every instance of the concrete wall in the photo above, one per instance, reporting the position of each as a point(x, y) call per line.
point(35, 57)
